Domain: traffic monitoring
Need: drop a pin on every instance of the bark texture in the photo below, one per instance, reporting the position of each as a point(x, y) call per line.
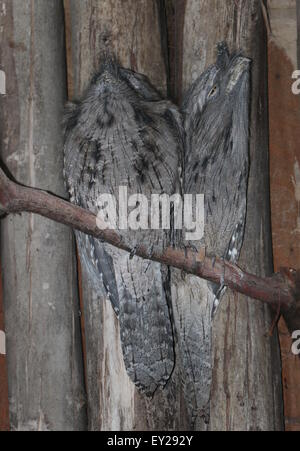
point(133, 31)
point(44, 354)
point(246, 392)
point(41, 308)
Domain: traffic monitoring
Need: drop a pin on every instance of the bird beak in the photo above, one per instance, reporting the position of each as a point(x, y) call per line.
point(239, 66)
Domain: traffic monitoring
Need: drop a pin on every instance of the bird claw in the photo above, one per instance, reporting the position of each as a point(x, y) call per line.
point(190, 247)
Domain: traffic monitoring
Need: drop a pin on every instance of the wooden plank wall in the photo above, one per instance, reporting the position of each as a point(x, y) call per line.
point(284, 110)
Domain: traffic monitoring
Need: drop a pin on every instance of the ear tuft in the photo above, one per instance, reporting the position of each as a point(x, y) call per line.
point(223, 55)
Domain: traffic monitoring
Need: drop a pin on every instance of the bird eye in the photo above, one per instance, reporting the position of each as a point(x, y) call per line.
point(213, 91)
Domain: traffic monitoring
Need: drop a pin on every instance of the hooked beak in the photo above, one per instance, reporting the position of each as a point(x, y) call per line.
point(237, 69)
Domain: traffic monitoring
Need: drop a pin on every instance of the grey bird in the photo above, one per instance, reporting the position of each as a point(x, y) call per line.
point(123, 134)
point(216, 164)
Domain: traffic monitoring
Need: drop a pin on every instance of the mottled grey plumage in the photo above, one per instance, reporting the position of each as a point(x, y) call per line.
point(123, 134)
point(216, 114)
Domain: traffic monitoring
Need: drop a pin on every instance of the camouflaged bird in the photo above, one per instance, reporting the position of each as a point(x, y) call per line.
point(122, 133)
point(216, 121)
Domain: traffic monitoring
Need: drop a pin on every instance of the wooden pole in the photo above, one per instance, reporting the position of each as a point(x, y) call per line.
point(44, 358)
point(134, 32)
point(4, 414)
point(246, 392)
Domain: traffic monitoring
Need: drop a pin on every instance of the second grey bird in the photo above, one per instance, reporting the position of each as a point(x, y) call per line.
point(216, 122)
point(123, 134)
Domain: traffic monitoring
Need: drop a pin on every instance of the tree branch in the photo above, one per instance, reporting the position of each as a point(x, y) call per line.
point(280, 290)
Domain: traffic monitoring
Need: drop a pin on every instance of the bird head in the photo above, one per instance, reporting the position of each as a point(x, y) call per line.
point(114, 78)
point(220, 83)
point(216, 114)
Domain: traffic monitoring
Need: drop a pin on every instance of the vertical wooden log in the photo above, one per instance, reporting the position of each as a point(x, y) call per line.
point(246, 393)
point(40, 287)
point(4, 415)
point(284, 107)
point(132, 30)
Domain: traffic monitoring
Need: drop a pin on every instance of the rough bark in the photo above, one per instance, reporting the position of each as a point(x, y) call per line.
point(246, 385)
point(132, 30)
point(40, 292)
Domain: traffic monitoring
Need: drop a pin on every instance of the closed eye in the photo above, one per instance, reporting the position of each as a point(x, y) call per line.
point(213, 91)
